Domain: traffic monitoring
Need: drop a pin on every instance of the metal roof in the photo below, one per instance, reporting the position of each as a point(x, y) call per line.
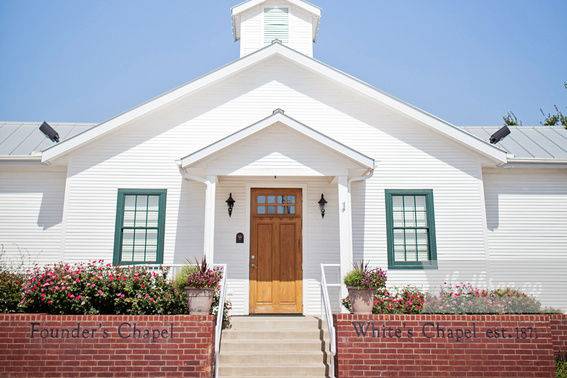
point(524, 142)
point(25, 139)
point(528, 142)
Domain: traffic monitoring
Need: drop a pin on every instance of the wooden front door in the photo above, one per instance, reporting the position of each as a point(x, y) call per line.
point(276, 277)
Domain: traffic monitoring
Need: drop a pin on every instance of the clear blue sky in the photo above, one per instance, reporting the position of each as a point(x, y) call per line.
point(465, 61)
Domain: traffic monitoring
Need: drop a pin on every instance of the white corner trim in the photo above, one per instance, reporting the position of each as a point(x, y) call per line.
point(277, 117)
point(421, 116)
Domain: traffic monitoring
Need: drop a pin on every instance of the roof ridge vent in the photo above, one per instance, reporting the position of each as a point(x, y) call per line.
point(278, 111)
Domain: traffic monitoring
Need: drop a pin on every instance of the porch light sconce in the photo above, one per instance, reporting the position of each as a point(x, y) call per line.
point(322, 202)
point(230, 202)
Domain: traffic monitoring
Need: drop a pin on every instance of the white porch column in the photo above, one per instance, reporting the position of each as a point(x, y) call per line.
point(345, 230)
point(209, 237)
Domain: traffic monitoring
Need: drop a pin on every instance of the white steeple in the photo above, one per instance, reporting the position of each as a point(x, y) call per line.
point(257, 23)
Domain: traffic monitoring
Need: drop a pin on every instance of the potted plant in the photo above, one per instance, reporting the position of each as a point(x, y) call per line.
point(201, 286)
point(362, 283)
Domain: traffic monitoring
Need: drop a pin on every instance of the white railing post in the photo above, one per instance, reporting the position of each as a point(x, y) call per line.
point(326, 309)
point(220, 318)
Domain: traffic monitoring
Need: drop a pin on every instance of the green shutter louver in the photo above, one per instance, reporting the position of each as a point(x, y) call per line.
point(276, 25)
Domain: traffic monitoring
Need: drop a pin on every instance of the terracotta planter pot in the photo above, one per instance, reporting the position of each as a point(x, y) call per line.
point(361, 300)
point(199, 301)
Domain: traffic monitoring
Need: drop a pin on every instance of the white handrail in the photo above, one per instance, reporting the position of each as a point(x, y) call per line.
point(220, 318)
point(329, 316)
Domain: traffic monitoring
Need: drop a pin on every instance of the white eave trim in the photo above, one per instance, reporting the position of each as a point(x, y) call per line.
point(242, 7)
point(20, 158)
point(277, 117)
point(274, 49)
point(535, 163)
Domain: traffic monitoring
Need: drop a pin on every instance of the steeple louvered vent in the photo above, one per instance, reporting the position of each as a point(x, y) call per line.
point(276, 25)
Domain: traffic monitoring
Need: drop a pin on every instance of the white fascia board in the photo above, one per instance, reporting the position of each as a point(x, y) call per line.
point(536, 163)
point(247, 61)
point(20, 158)
point(277, 117)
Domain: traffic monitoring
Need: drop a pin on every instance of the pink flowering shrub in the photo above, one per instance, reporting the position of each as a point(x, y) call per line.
point(406, 300)
point(463, 298)
point(98, 288)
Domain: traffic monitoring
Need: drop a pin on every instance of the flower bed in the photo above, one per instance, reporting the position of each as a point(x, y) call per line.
point(98, 288)
point(463, 298)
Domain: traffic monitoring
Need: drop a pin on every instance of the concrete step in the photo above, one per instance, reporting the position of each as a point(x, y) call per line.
point(274, 323)
point(259, 345)
point(269, 357)
point(304, 370)
point(308, 334)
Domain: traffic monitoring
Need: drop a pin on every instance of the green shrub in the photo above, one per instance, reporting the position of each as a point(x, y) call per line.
point(10, 290)
point(354, 278)
point(561, 367)
point(180, 279)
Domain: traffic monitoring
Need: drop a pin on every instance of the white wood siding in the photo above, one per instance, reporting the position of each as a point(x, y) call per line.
point(143, 155)
point(300, 36)
point(31, 213)
point(527, 231)
point(277, 151)
point(409, 156)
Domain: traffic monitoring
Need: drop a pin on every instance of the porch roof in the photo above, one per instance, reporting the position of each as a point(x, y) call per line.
point(277, 117)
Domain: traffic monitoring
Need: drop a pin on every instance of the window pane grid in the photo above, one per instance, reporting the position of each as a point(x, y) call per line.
point(275, 205)
point(140, 228)
point(407, 221)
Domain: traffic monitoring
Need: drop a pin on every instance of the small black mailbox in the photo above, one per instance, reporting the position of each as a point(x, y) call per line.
point(239, 238)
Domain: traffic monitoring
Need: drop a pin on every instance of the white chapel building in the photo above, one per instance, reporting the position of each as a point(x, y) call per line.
point(323, 168)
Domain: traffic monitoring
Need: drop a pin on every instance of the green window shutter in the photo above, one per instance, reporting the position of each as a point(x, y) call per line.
point(410, 224)
point(276, 25)
point(140, 226)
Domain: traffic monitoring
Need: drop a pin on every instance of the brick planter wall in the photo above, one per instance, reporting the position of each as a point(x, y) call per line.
point(37, 345)
point(558, 323)
point(448, 345)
